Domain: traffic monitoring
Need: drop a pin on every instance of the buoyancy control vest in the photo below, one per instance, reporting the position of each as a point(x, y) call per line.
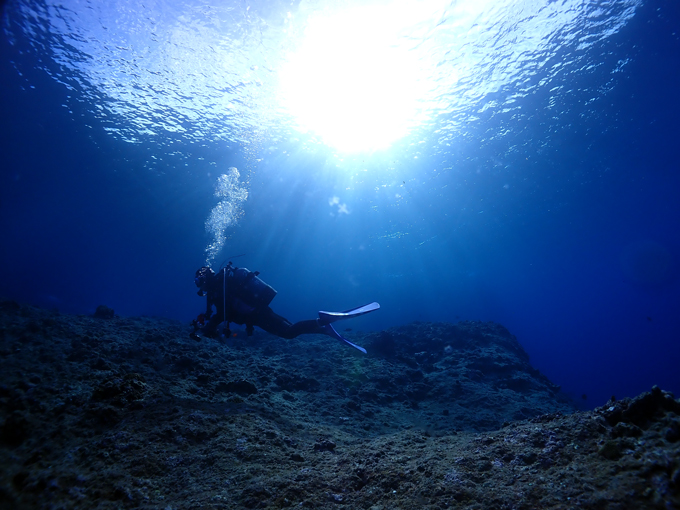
point(245, 285)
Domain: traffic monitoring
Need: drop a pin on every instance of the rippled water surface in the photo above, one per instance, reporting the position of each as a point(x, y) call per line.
point(239, 71)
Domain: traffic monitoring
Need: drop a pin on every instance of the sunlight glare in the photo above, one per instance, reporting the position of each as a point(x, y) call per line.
point(352, 81)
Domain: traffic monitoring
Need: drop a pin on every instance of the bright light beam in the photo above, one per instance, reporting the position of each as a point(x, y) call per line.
point(351, 82)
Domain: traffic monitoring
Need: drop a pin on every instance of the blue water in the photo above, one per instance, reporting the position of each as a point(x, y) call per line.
point(539, 189)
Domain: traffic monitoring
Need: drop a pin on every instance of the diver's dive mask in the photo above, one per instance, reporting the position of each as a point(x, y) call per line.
point(201, 278)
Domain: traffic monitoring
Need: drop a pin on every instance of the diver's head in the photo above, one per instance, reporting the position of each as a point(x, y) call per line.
point(202, 276)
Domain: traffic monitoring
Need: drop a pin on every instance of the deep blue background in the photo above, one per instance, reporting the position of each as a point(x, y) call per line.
point(85, 221)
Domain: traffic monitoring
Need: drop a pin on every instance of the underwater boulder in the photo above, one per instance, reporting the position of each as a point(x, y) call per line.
point(104, 312)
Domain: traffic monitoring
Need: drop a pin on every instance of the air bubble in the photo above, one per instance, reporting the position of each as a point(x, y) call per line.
point(226, 213)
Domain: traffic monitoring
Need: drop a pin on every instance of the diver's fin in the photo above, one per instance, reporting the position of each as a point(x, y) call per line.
point(330, 331)
point(329, 317)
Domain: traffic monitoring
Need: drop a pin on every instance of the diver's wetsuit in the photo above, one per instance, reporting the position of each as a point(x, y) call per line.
point(239, 312)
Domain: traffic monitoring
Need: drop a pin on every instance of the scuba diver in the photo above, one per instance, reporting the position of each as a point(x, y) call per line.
point(239, 296)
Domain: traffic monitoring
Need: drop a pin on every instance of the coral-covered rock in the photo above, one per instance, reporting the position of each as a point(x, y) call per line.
point(131, 413)
point(120, 390)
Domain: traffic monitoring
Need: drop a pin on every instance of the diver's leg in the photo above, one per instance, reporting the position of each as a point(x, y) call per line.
point(272, 323)
point(310, 327)
point(277, 325)
point(280, 326)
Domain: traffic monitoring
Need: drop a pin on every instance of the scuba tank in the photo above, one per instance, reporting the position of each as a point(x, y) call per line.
point(246, 286)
